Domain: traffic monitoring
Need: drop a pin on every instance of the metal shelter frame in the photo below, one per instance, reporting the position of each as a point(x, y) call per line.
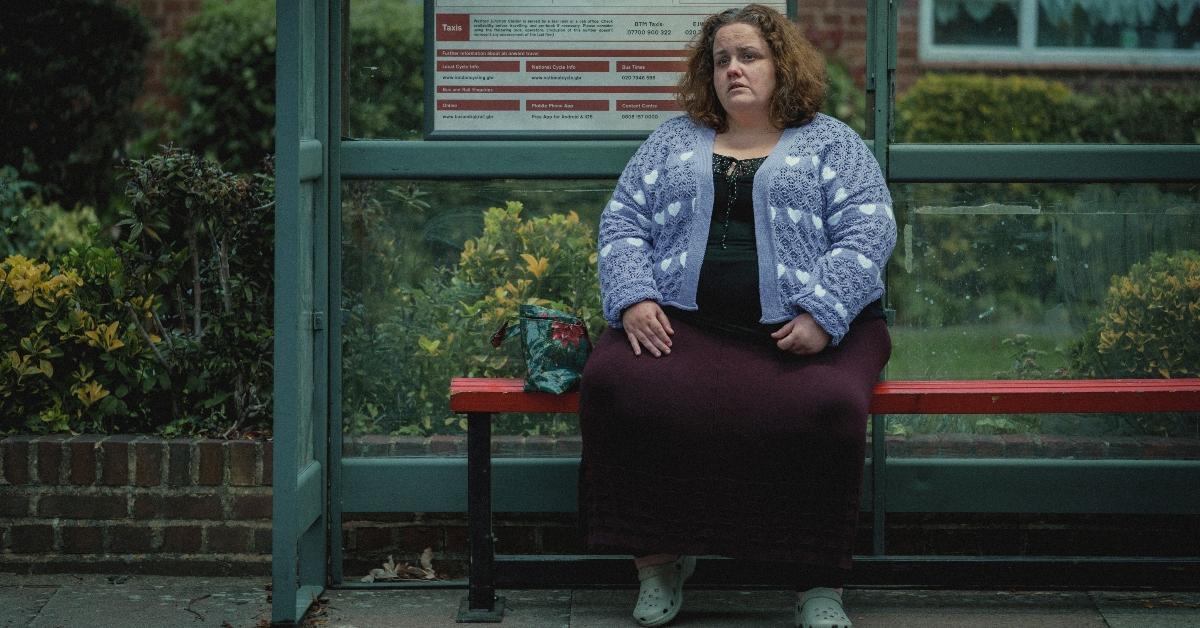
point(314, 485)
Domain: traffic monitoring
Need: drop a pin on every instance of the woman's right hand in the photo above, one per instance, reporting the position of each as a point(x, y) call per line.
point(646, 326)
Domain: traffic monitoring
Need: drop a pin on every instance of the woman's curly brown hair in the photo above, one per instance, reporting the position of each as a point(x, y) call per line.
point(799, 70)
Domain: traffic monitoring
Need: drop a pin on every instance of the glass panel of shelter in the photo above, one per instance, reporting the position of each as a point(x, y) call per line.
point(1025, 281)
point(424, 288)
point(403, 240)
point(1048, 71)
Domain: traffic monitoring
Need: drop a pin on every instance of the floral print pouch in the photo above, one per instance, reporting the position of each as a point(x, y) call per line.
point(556, 346)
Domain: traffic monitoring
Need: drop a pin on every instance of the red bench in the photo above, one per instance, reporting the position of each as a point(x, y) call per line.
point(481, 398)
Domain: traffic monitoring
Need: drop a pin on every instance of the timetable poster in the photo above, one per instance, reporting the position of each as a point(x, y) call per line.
point(547, 68)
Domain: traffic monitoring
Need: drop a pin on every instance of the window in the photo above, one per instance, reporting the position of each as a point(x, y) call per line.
point(1062, 32)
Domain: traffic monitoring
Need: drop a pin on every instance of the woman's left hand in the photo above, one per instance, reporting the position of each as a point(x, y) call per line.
point(801, 335)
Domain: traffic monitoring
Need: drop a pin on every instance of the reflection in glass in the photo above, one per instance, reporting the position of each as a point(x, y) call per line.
point(430, 270)
point(1020, 281)
point(975, 22)
point(383, 79)
point(1151, 24)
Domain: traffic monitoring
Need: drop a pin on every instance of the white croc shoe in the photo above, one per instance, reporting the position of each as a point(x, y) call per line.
point(822, 608)
point(662, 591)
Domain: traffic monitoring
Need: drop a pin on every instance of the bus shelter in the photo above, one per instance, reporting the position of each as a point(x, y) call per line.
point(321, 158)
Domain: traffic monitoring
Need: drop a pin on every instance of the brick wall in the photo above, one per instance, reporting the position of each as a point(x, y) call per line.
point(134, 504)
point(838, 29)
point(166, 19)
point(140, 504)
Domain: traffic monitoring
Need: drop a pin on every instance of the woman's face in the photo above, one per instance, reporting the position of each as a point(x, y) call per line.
point(743, 70)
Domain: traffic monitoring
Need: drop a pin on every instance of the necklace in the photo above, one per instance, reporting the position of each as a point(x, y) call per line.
point(732, 169)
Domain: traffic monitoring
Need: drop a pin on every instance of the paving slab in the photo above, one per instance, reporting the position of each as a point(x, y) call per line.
point(19, 605)
point(436, 608)
point(120, 602)
point(1154, 609)
point(955, 609)
point(701, 607)
point(97, 601)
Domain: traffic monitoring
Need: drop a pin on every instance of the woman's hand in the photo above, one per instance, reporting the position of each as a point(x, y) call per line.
point(801, 335)
point(646, 326)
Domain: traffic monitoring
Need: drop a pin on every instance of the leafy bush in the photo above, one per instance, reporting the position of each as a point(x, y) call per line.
point(1141, 115)
point(1103, 230)
point(545, 261)
point(225, 76)
point(199, 242)
point(1148, 328)
point(168, 329)
point(1149, 323)
point(386, 88)
point(981, 108)
point(70, 354)
point(440, 329)
point(844, 99)
point(35, 229)
point(69, 73)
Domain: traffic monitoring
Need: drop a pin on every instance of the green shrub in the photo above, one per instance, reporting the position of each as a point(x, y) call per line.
point(441, 328)
point(981, 108)
point(395, 378)
point(1134, 115)
point(1148, 327)
point(69, 73)
point(546, 261)
point(1103, 230)
point(199, 242)
point(224, 73)
point(1149, 322)
point(844, 99)
point(386, 89)
point(71, 357)
point(167, 330)
point(36, 229)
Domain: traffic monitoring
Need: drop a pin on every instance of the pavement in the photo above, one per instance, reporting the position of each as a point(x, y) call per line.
point(97, 601)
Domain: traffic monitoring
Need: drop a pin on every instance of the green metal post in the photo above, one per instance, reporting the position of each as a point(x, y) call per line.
point(300, 491)
point(287, 201)
point(339, 17)
point(326, 191)
point(881, 71)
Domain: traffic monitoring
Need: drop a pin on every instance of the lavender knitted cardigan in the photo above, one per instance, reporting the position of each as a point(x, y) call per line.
point(822, 218)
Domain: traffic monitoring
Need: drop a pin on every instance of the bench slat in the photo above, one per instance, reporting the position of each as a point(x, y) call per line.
point(469, 394)
point(481, 394)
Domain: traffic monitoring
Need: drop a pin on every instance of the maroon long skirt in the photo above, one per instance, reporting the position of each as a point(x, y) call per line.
point(727, 447)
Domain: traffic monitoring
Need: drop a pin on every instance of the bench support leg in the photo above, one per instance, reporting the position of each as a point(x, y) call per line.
point(481, 605)
point(878, 483)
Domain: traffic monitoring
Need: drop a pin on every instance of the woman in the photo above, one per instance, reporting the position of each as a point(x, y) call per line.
point(740, 266)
